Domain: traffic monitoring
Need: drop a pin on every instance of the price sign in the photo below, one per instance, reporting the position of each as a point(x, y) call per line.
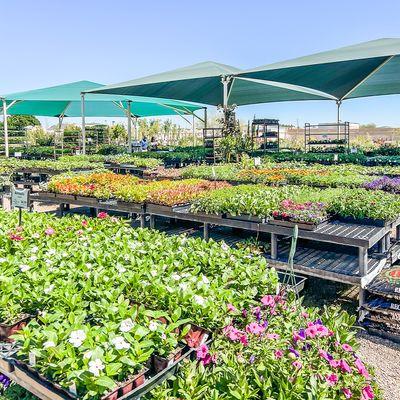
point(20, 198)
point(335, 157)
point(17, 154)
point(257, 161)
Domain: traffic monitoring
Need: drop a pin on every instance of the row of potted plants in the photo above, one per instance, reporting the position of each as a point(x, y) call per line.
point(106, 185)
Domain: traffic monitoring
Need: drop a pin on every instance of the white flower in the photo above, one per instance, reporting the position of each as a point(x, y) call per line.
point(121, 269)
point(153, 272)
point(199, 300)
point(49, 289)
point(96, 366)
point(24, 267)
point(153, 326)
point(126, 325)
point(51, 252)
point(2, 259)
point(32, 258)
point(205, 280)
point(89, 265)
point(34, 249)
point(176, 277)
point(87, 275)
point(35, 235)
point(88, 354)
point(163, 336)
point(120, 343)
point(48, 344)
point(76, 338)
point(224, 246)
point(183, 285)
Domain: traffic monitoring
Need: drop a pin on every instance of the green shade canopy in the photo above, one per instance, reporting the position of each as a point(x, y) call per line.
point(202, 83)
point(365, 69)
point(65, 100)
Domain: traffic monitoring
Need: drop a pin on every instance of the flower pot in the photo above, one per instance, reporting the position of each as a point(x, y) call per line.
point(160, 363)
point(113, 395)
point(6, 330)
point(133, 382)
point(196, 336)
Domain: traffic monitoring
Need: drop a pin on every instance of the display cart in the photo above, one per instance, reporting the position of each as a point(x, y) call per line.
point(265, 134)
point(211, 139)
point(327, 137)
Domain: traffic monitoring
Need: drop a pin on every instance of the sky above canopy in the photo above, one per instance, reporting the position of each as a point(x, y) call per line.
point(58, 43)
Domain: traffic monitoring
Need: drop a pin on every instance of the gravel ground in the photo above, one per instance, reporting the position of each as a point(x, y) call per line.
point(383, 355)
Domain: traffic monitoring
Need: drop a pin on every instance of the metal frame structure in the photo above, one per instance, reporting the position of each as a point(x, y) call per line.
point(340, 131)
point(264, 126)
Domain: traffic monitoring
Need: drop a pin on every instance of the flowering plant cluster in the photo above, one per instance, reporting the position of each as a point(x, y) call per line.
point(105, 185)
point(385, 183)
point(308, 212)
point(276, 349)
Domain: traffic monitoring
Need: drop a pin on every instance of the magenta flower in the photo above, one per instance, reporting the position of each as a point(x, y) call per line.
point(243, 340)
point(311, 331)
point(268, 300)
point(304, 314)
point(322, 330)
point(49, 231)
point(334, 363)
point(202, 351)
point(272, 336)
point(347, 347)
point(300, 335)
point(254, 328)
point(84, 223)
point(278, 354)
point(15, 237)
point(331, 379)
point(231, 308)
point(232, 333)
point(324, 354)
point(361, 369)
point(347, 393)
point(102, 215)
point(297, 364)
point(367, 393)
point(344, 366)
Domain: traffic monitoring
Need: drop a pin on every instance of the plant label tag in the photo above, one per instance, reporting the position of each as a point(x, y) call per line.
point(213, 172)
point(353, 150)
point(32, 359)
point(257, 161)
point(170, 362)
point(335, 157)
point(17, 154)
point(72, 389)
point(395, 306)
point(204, 338)
point(397, 290)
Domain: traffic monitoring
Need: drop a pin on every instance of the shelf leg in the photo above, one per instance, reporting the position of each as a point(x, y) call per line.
point(62, 205)
point(398, 232)
point(206, 232)
point(362, 297)
point(387, 240)
point(274, 246)
point(382, 245)
point(67, 207)
point(362, 261)
point(142, 221)
point(152, 221)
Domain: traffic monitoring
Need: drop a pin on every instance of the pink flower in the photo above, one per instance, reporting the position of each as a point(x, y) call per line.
point(79, 232)
point(297, 364)
point(361, 369)
point(347, 347)
point(278, 354)
point(114, 219)
point(304, 314)
point(14, 236)
point(231, 308)
point(243, 340)
point(323, 354)
point(347, 393)
point(334, 363)
point(322, 330)
point(208, 359)
point(232, 333)
point(49, 231)
point(268, 300)
point(344, 366)
point(312, 331)
point(202, 351)
point(331, 379)
point(84, 222)
point(367, 393)
point(272, 336)
point(102, 215)
point(254, 328)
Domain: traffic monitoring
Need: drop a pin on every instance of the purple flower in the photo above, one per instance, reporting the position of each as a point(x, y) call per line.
point(5, 381)
point(293, 351)
point(252, 359)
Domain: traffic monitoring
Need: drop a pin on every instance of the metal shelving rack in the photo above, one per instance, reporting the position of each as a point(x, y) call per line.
point(327, 134)
point(211, 138)
point(265, 134)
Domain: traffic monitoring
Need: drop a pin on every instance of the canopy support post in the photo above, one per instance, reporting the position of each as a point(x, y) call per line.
point(205, 117)
point(193, 131)
point(129, 127)
point(5, 126)
point(136, 128)
point(338, 103)
point(83, 123)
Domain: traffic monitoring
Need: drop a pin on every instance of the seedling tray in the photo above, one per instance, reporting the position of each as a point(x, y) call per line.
point(299, 281)
point(246, 217)
point(301, 225)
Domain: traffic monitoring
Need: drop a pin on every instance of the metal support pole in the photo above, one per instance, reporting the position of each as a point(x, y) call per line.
point(361, 296)
point(387, 241)
point(142, 221)
point(136, 128)
point(83, 123)
point(5, 126)
point(382, 245)
point(152, 221)
point(193, 131)
point(205, 117)
point(398, 232)
point(274, 246)
point(338, 103)
point(225, 83)
point(362, 261)
point(206, 232)
point(129, 128)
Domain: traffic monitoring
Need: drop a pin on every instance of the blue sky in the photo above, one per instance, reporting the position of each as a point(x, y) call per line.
point(49, 42)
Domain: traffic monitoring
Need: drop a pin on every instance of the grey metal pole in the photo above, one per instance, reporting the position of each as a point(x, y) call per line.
point(205, 117)
point(129, 128)
point(136, 129)
point(338, 103)
point(5, 126)
point(83, 123)
point(193, 131)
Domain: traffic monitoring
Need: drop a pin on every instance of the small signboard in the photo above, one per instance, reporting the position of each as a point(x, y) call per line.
point(20, 198)
point(257, 161)
point(335, 157)
point(17, 154)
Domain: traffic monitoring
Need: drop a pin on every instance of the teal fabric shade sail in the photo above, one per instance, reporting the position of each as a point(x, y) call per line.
point(65, 100)
point(202, 83)
point(361, 70)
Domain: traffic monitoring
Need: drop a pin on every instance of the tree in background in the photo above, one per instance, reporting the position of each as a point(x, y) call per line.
point(19, 122)
point(118, 134)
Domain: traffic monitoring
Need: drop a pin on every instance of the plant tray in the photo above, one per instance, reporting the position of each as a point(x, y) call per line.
point(301, 225)
point(297, 286)
point(54, 391)
point(365, 221)
point(160, 363)
point(6, 330)
point(197, 336)
point(246, 217)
